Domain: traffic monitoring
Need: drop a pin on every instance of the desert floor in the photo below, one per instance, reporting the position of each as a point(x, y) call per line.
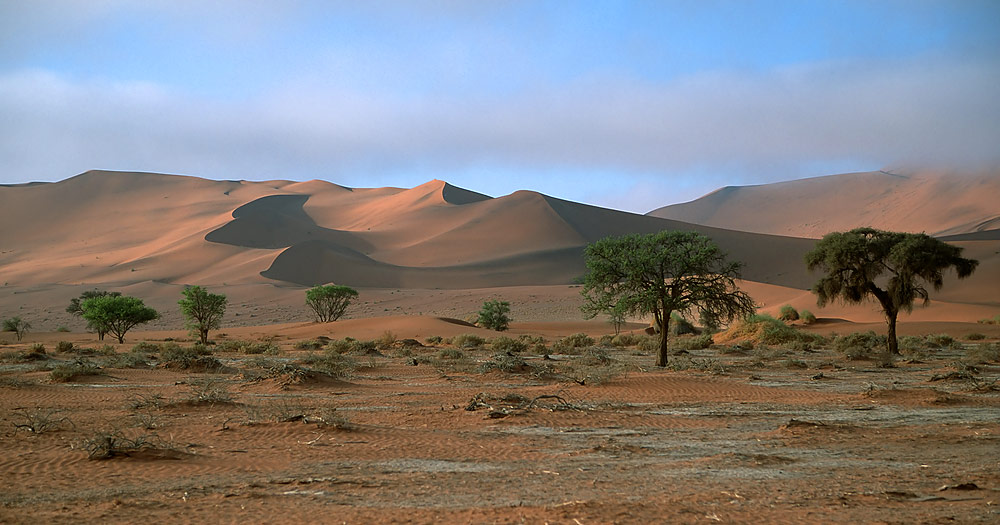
point(428, 433)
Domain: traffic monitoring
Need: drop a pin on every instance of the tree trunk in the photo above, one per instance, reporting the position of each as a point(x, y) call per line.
point(661, 356)
point(204, 336)
point(892, 344)
point(121, 339)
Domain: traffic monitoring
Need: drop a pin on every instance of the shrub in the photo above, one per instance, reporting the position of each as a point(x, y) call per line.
point(332, 363)
point(329, 302)
point(570, 343)
point(679, 325)
point(975, 337)
point(188, 358)
point(860, 345)
point(788, 313)
point(467, 341)
point(73, 371)
point(623, 340)
point(310, 344)
point(494, 315)
point(763, 329)
point(648, 344)
point(807, 317)
point(510, 364)
point(385, 341)
point(62, 329)
point(16, 325)
point(149, 348)
point(506, 344)
point(434, 340)
point(451, 353)
point(983, 353)
point(128, 360)
point(992, 320)
point(699, 342)
point(940, 340)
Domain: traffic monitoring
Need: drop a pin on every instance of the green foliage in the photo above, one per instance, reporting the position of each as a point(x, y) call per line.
point(699, 342)
point(434, 340)
point(623, 340)
point(679, 325)
point(329, 302)
point(76, 308)
point(494, 315)
point(991, 320)
point(193, 358)
point(788, 313)
point(859, 345)
point(506, 344)
point(855, 262)
point(72, 371)
point(203, 310)
point(941, 341)
point(117, 314)
point(570, 343)
point(662, 273)
point(16, 325)
point(332, 363)
point(763, 329)
point(309, 344)
point(64, 347)
point(975, 337)
point(451, 353)
point(807, 317)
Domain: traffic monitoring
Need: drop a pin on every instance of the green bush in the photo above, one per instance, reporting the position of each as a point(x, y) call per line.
point(975, 337)
point(506, 344)
point(679, 325)
point(570, 343)
point(763, 329)
point(149, 348)
point(860, 345)
point(451, 353)
point(807, 317)
point(788, 313)
point(648, 345)
point(310, 344)
point(434, 340)
point(332, 363)
point(194, 358)
point(494, 315)
point(940, 340)
point(623, 340)
point(467, 341)
point(983, 353)
point(992, 320)
point(698, 342)
point(72, 371)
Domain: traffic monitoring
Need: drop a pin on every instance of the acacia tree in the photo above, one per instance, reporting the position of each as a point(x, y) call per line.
point(330, 301)
point(890, 267)
point(203, 310)
point(16, 325)
point(659, 274)
point(75, 309)
point(118, 314)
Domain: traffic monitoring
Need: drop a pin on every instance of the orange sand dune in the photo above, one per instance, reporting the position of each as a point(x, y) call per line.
point(261, 242)
point(937, 203)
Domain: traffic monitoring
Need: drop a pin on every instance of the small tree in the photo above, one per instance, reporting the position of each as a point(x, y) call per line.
point(890, 267)
point(118, 314)
point(75, 308)
point(203, 310)
point(329, 301)
point(494, 315)
point(16, 325)
point(662, 273)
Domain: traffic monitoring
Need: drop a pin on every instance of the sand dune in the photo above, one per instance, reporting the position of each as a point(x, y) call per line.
point(936, 203)
point(160, 232)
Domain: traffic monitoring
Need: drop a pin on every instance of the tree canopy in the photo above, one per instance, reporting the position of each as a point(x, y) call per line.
point(891, 267)
point(118, 314)
point(662, 273)
point(16, 325)
point(76, 309)
point(203, 310)
point(494, 315)
point(329, 301)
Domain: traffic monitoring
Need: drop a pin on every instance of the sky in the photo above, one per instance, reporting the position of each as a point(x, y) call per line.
point(628, 105)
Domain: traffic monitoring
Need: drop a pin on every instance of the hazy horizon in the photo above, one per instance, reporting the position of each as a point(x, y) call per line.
point(626, 105)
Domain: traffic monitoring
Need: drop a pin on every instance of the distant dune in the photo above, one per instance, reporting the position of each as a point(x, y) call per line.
point(263, 241)
point(936, 203)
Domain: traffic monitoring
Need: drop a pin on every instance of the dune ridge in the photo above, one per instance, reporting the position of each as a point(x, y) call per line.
point(934, 202)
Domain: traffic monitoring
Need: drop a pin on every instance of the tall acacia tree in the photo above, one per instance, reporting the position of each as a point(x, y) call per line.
point(330, 301)
point(662, 273)
point(203, 310)
point(118, 314)
point(76, 309)
point(891, 267)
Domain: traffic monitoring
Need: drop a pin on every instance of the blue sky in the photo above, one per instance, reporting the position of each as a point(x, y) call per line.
point(630, 105)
